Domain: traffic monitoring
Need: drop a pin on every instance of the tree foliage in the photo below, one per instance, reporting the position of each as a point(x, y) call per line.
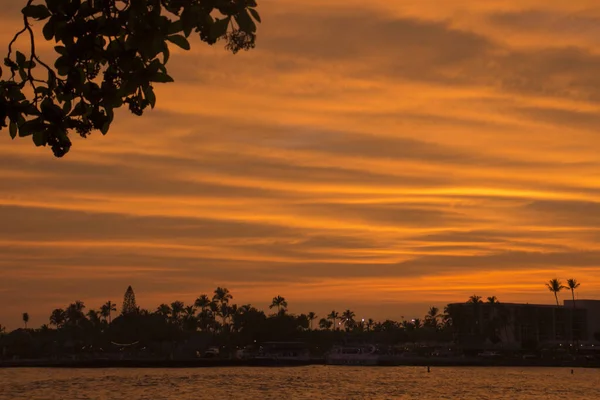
point(129, 304)
point(109, 53)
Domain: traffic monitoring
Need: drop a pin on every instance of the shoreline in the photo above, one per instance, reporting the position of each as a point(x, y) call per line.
point(211, 363)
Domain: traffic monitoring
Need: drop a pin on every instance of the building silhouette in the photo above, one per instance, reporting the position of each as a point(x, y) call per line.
point(516, 325)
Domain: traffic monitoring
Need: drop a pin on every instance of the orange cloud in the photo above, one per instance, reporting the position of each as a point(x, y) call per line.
point(383, 156)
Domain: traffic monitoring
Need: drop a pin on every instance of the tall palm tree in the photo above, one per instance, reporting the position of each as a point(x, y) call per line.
point(58, 317)
point(280, 303)
point(333, 316)
point(572, 284)
point(206, 319)
point(431, 319)
point(177, 308)
point(221, 300)
point(202, 302)
point(190, 310)
point(222, 295)
point(555, 286)
point(233, 311)
point(189, 320)
point(225, 311)
point(106, 310)
point(370, 323)
point(446, 318)
point(25, 319)
point(311, 317)
point(164, 310)
point(74, 313)
point(348, 317)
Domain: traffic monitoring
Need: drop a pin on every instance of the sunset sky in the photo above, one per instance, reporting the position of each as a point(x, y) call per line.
point(383, 156)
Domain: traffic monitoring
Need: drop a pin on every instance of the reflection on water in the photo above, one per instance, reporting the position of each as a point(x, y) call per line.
point(314, 382)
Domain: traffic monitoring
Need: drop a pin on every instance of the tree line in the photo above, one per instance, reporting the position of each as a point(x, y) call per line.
point(219, 321)
point(217, 313)
point(213, 320)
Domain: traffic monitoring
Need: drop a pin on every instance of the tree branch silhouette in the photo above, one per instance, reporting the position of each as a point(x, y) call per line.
point(107, 56)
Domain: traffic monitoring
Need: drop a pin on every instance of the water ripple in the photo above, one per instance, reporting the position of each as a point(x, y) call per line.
point(311, 383)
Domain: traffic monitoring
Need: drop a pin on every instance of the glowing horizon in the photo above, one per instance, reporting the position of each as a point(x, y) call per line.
point(431, 152)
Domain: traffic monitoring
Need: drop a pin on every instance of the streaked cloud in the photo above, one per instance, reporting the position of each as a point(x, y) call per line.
point(382, 156)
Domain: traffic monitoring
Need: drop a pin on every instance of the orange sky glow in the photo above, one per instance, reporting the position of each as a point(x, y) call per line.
point(383, 156)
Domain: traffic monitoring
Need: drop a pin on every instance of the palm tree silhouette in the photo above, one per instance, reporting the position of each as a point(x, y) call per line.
point(74, 313)
point(493, 300)
point(431, 319)
point(555, 286)
point(222, 295)
point(280, 303)
point(25, 319)
point(189, 320)
point(348, 317)
point(164, 310)
point(572, 284)
point(228, 312)
point(370, 323)
point(202, 302)
point(311, 317)
point(94, 317)
point(333, 316)
point(221, 298)
point(177, 308)
point(57, 318)
point(106, 310)
point(417, 323)
point(474, 299)
point(446, 318)
point(206, 319)
point(190, 310)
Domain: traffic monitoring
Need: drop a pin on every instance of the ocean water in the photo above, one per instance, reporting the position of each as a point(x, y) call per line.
point(314, 382)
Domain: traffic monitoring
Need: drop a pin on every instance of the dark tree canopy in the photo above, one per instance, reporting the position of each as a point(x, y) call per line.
point(129, 303)
point(109, 53)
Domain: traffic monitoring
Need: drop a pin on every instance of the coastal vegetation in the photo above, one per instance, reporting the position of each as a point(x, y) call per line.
point(210, 320)
point(214, 320)
point(555, 286)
